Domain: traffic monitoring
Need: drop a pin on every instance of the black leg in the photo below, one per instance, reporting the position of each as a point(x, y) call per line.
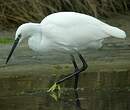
point(77, 72)
point(76, 69)
point(85, 65)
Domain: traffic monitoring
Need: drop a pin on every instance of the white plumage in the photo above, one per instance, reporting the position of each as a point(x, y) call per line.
point(67, 30)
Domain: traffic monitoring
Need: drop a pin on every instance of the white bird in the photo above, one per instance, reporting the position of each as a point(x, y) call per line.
point(68, 31)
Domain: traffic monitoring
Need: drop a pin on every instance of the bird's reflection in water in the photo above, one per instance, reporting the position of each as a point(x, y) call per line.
point(67, 100)
point(77, 101)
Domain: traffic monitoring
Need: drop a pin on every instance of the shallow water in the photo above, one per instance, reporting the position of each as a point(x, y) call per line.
point(97, 91)
point(93, 100)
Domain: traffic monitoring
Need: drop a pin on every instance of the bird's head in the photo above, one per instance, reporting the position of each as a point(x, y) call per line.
point(24, 31)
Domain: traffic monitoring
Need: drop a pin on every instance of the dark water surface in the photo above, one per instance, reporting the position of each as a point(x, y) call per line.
point(97, 91)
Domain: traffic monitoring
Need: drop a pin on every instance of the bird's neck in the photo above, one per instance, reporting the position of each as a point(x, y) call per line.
point(34, 41)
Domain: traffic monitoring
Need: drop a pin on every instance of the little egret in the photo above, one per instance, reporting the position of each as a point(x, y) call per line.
point(68, 31)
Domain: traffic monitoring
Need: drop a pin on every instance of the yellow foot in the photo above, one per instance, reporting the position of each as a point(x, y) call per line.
point(54, 87)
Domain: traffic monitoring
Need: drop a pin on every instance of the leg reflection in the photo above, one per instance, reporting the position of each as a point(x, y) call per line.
point(77, 101)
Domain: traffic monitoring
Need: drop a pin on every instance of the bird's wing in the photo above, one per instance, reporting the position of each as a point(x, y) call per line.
point(73, 35)
point(73, 28)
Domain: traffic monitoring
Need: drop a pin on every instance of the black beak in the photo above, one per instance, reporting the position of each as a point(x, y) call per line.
point(13, 48)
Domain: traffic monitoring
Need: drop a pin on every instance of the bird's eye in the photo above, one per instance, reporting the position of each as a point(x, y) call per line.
point(19, 36)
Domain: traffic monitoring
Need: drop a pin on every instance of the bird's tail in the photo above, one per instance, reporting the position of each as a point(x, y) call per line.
point(116, 32)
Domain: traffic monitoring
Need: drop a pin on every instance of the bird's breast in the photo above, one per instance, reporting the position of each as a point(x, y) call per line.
point(34, 43)
point(43, 44)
